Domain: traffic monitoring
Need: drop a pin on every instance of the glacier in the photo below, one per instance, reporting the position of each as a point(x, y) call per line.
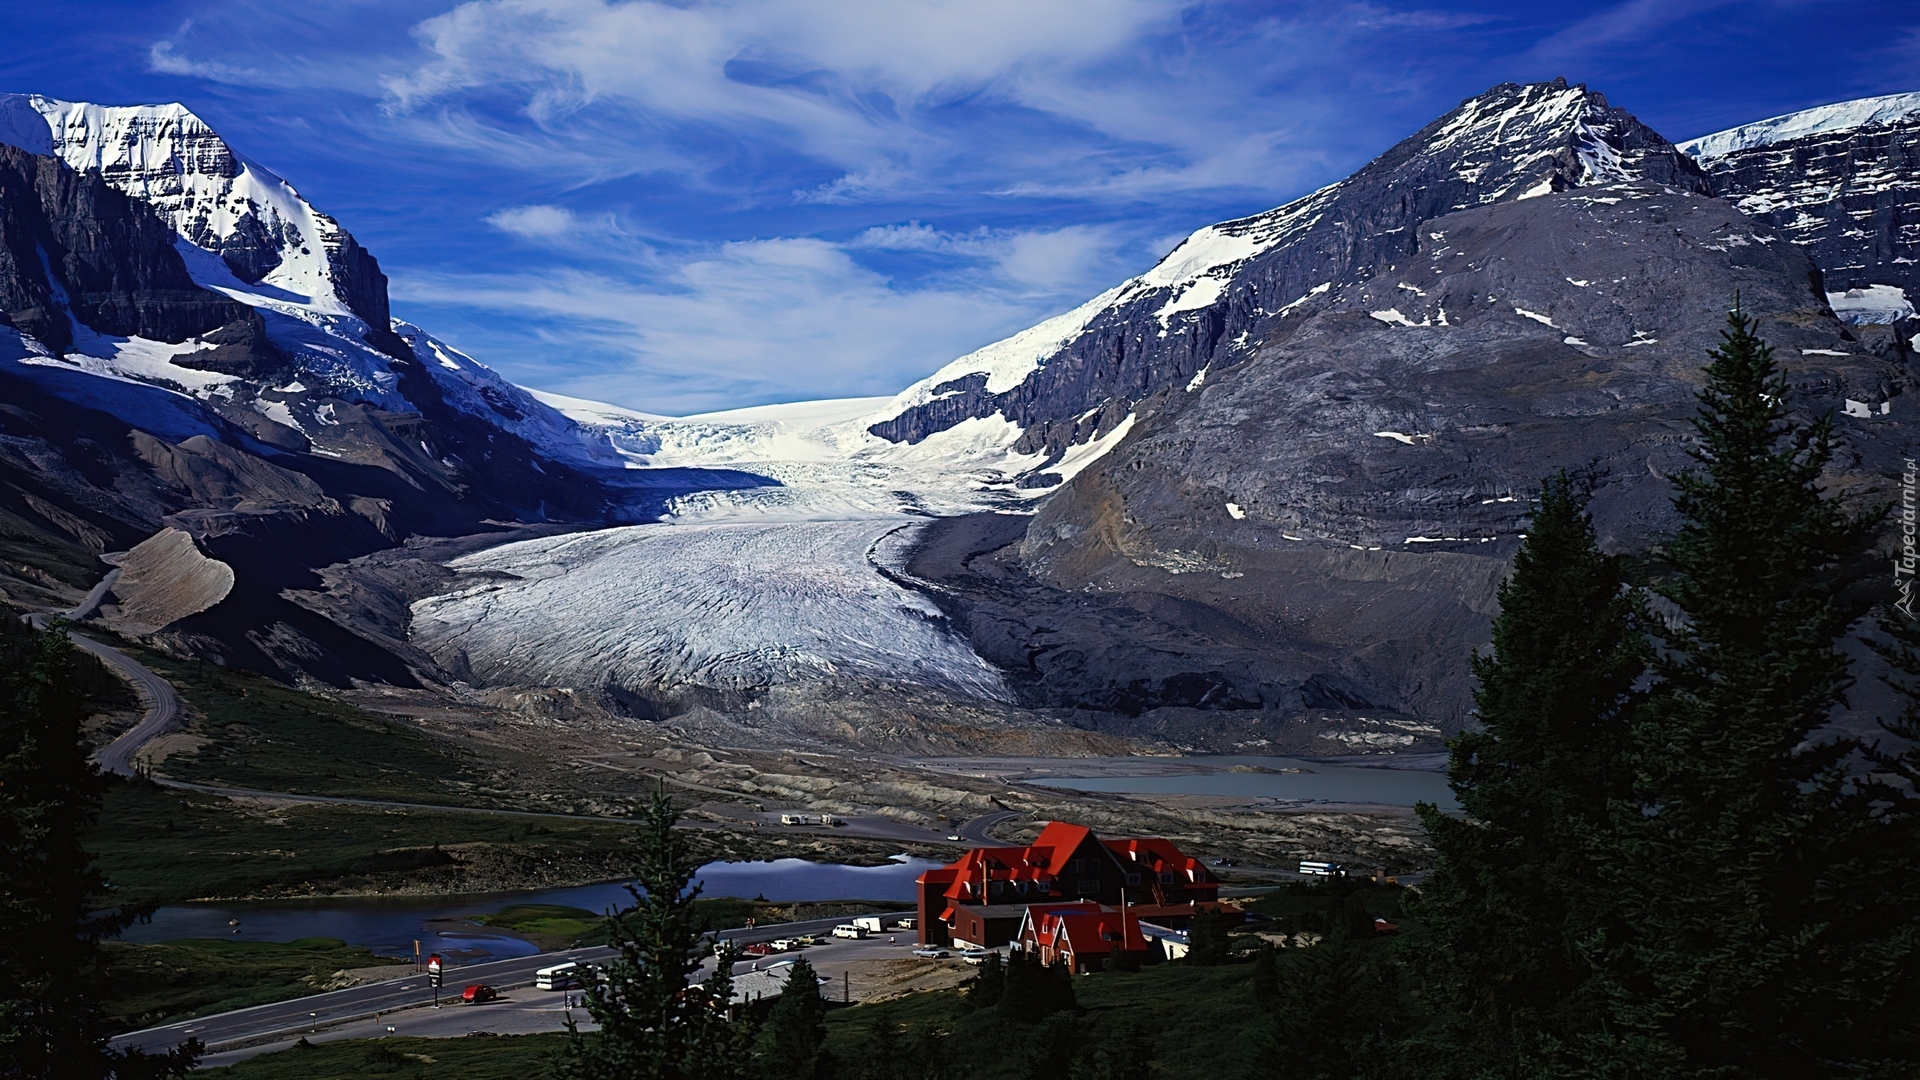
point(698, 613)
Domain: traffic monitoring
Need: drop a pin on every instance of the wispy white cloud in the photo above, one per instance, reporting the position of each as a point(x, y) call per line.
point(769, 320)
point(536, 222)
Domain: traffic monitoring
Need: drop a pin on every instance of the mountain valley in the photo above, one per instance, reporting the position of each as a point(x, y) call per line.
point(1257, 499)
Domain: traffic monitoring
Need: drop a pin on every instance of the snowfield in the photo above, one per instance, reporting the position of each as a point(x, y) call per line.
point(686, 611)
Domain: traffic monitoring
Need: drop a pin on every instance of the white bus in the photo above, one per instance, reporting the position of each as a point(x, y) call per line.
point(558, 977)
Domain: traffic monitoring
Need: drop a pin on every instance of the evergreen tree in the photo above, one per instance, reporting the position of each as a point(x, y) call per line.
point(51, 897)
point(1032, 991)
point(1748, 946)
point(653, 1025)
point(1207, 939)
point(1338, 1012)
point(1495, 947)
point(983, 990)
point(793, 1042)
point(1264, 981)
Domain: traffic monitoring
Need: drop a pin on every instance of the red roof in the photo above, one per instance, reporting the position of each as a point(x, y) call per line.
point(1087, 929)
point(1047, 858)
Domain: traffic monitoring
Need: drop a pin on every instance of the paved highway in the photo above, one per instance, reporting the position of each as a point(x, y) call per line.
point(162, 704)
point(262, 1022)
point(975, 832)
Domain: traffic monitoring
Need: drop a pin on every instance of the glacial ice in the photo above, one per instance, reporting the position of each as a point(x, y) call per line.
point(664, 610)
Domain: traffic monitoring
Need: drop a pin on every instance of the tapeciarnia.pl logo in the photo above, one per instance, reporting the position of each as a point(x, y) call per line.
point(1903, 563)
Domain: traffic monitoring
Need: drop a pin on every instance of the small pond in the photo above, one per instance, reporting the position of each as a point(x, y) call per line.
point(390, 925)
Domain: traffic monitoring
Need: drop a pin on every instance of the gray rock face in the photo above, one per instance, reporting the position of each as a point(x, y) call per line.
point(1316, 525)
point(1211, 301)
point(71, 243)
point(1842, 181)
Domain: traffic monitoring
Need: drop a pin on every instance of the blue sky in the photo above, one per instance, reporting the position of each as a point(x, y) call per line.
point(681, 206)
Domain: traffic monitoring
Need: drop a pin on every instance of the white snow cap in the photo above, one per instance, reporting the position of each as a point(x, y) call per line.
point(168, 158)
point(1841, 116)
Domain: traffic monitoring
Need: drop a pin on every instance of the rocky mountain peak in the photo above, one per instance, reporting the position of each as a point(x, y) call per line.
point(1075, 379)
point(264, 232)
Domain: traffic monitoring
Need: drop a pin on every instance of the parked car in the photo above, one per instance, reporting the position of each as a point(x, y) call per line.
point(479, 994)
point(785, 944)
point(758, 948)
point(848, 930)
point(976, 956)
point(931, 952)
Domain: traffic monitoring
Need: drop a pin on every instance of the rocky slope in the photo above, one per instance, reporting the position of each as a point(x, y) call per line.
point(1314, 519)
point(1841, 181)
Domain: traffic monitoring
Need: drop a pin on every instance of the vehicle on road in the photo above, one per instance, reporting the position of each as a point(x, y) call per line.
point(479, 994)
point(1312, 868)
point(976, 956)
point(793, 819)
point(906, 923)
point(931, 952)
point(558, 977)
point(848, 930)
point(954, 837)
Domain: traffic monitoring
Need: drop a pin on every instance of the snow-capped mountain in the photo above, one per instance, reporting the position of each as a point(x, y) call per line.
point(330, 348)
point(1077, 377)
point(274, 242)
point(1842, 181)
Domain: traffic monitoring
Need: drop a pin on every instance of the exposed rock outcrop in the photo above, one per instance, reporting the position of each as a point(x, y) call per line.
point(72, 246)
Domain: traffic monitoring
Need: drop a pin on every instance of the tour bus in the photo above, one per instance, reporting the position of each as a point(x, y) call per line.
point(1322, 869)
point(558, 977)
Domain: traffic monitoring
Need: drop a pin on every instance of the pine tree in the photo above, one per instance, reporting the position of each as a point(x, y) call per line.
point(1339, 1009)
point(53, 903)
point(1264, 981)
point(983, 990)
point(1032, 991)
point(1207, 940)
point(1747, 946)
point(653, 1025)
point(1495, 944)
point(793, 1042)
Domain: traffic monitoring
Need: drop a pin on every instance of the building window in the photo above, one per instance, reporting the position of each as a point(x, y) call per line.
point(1133, 879)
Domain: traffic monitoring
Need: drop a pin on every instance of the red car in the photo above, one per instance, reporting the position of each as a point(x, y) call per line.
point(479, 994)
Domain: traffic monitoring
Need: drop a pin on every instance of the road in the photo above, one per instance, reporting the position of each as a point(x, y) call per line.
point(162, 704)
point(975, 833)
point(262, 1023)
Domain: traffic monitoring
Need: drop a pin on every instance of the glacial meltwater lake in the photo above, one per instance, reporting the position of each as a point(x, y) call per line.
point(390, 925)
point(1310, 782)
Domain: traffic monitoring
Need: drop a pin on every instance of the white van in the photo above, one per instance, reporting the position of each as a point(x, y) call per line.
point(558, 977)
point(848, 930)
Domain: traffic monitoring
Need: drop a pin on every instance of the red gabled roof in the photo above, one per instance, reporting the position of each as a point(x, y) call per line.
point(1087, 929)
point(1064, 838)
point(1047, 858)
